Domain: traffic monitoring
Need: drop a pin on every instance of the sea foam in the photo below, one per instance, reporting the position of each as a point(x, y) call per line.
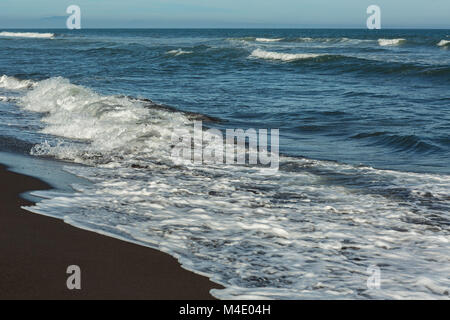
point(443, 43)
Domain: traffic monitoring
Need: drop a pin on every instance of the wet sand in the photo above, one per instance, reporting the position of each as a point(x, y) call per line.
point(35, 252)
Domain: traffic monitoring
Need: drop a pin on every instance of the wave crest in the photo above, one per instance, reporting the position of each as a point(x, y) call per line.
point(391, 42)
point(401, 143)
point(287, 57)
point(443, 43)
point(178, 52)
point(106, 129)
point(12, 83)
point(268, 39)
point(27, 35)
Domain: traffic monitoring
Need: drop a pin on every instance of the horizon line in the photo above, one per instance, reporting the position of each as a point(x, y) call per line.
point(229, 28)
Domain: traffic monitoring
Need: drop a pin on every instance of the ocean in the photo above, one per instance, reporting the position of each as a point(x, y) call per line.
point(364, 139)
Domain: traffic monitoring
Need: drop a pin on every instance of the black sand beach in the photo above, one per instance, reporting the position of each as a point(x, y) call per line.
point(36, 250)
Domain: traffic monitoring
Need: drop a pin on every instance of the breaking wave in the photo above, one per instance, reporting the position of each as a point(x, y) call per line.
point(383, 42)
point(12, 83)
point(178, 52)
point(27, 35)
point(338, 40)
point(287, 57)
point(391, 42)
point(268, 39)
point(114, 126)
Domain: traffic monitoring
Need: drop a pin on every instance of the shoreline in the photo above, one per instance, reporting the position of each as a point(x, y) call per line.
point(36, 250)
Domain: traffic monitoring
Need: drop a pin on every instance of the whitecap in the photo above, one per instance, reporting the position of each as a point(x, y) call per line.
point(11, 83)
point(178, 52)
point(27, 35)
point(268, 40)
point(269, 55)
point(391, 42)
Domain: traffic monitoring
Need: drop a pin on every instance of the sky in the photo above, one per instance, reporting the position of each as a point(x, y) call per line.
point(225, 13)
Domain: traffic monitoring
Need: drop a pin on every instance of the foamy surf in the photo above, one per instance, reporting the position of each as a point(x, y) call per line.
point(390, 42)
point(277, 238)
point(443, 43)
point(27, 35)
point(287, 57)
point(110, 123)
